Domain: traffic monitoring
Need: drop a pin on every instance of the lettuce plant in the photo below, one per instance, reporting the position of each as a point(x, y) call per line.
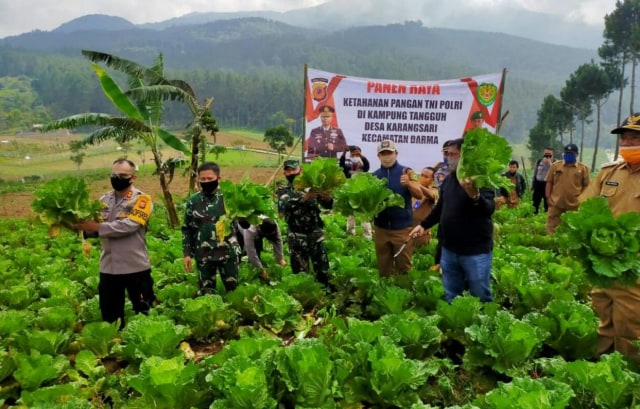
point(502, 342)
point(418, 336)
point(168, 383)
point(207, 316)
point(34, 369)
point(99, 337)
point(364, 195)
point(321, 175)
point(307, 370)
point(572, 328)
point(64, 202)
point(607, 246)
point(607, 383)
point(526, 393)
point(147, 336)
point(242, 383)
point(247, 200)
point(483, 158)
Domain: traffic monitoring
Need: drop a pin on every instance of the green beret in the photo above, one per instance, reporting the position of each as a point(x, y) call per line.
point(291, 164)
point(477, 115)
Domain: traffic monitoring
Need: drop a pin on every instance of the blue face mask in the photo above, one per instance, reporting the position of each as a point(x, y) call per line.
point(445, 161)
point(569, 158)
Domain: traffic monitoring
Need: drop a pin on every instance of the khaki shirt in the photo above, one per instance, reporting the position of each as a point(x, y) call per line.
point(568, 181)
point(618, 185)
point(422, 207)
point(124, 245)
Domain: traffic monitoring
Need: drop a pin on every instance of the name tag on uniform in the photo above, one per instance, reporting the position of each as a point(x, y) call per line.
point(610, 183)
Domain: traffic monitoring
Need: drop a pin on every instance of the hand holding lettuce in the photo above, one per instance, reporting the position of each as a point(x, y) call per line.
point(365, 195)
point(321, 175)
point(244, 200)
point(483, 158)
point(61, 203)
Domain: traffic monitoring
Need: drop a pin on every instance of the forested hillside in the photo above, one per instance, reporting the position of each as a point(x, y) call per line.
point(253, 67)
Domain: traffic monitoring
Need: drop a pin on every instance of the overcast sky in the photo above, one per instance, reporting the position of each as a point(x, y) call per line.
point(20, 16)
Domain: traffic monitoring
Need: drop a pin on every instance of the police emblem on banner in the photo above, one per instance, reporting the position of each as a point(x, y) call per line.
point(487, 93)
point(319, 89)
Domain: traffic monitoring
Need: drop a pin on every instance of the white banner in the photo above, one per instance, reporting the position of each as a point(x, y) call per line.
point(419, 116)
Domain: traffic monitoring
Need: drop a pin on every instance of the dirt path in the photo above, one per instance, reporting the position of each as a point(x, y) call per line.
point(18, 205)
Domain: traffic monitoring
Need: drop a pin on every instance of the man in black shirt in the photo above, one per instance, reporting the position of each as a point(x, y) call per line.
point(464, 213)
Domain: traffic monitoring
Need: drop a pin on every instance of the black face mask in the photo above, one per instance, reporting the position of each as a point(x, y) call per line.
point(512, 173)
point(290, 178)
point(120, 184)
point(209, 187)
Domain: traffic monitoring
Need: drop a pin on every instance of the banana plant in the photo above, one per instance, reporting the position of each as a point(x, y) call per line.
point(141, 108)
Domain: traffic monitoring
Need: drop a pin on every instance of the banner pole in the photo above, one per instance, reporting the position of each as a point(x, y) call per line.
point(304, 114)
point(501, 91)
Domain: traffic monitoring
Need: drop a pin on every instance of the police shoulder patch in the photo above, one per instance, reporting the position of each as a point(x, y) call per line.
point(141, 211)
point(610, 164)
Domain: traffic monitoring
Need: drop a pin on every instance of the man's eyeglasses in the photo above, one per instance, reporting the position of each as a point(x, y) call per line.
point(121, 176)
point(548, 156)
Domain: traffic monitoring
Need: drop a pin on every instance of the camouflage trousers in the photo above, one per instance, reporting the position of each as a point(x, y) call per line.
point(309, 247)
point(225, 263)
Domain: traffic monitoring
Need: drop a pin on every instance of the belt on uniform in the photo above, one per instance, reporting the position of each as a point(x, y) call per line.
point(318, 235)
point(298, 234)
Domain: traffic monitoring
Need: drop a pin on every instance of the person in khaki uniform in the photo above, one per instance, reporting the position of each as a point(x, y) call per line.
point(422, 207)
point(565, 181)
point(619, 182)
point(124, 262)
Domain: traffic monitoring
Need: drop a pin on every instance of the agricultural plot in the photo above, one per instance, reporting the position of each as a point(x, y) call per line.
point(373, 343)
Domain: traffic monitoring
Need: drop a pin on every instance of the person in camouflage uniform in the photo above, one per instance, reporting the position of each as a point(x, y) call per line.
point(199, 239)
point(305, 238)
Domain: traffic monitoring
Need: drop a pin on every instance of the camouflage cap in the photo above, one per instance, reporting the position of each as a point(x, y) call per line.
point(387, 145)
point(291, 164)
point(477, 115)
point(630, 124)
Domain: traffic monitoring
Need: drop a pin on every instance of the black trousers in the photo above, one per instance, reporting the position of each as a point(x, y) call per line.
point(111, 292)
point(538, 196)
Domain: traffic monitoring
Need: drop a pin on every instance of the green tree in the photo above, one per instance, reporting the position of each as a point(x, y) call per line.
point(279, 138)
point(595, 84)
point(575, 95)
point(616, 49)
point(216, 150)
point(77, 152)
point(141, 107)
point(202, 121)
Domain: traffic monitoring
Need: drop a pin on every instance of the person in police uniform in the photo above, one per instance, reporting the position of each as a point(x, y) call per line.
point(199, 238)
point(566, 179)
point(619, 182)
point(124, 262)
point(301, 212)
point(326, 141)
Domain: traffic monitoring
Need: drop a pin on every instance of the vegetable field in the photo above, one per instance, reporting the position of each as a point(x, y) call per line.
point(373, 343)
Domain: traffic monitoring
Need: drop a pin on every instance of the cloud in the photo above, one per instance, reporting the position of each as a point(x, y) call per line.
point(20, 16)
